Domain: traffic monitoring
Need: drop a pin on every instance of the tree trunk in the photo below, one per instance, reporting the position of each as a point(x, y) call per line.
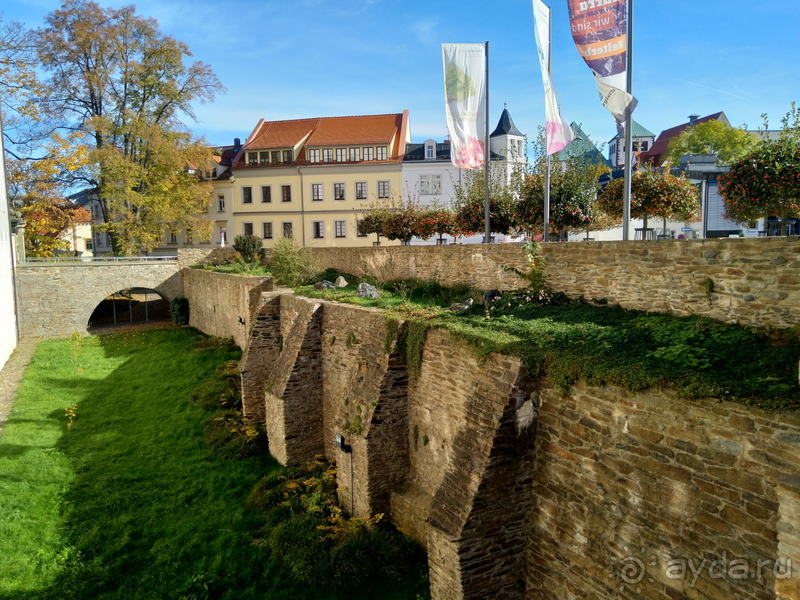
point(784, 214)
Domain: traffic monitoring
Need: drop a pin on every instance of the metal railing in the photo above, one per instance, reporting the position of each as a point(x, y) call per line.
point(99, 259)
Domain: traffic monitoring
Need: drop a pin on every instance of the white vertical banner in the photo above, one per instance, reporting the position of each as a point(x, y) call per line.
point(465, 102)
point(558, 133)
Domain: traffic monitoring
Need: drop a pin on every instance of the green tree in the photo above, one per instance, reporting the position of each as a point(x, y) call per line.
point(654, 193)
point(766, 182)
point(712, 137)
point(470, 200)
point(115, 78)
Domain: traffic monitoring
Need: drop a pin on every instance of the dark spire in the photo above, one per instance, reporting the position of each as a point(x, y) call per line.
point(506, 126)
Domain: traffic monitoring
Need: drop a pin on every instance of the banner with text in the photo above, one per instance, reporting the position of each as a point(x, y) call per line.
point(558, 133)
point(465, 102)
point(599, 29)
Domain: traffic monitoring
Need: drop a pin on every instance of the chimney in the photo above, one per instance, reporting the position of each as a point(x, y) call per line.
point(693, 120)
point(237, 143)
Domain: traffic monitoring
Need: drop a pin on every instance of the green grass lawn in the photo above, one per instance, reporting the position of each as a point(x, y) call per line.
point(571, 340)
point(128, 502)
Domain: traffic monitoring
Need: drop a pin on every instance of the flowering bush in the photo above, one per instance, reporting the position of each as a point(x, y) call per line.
point(653, 194)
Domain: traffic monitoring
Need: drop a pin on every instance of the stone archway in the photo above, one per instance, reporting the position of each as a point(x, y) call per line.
point(131, 306)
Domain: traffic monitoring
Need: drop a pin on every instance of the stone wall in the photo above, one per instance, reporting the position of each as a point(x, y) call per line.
point(218, 300)
point(57, 299)
point(624, 483)
point(518, 491)
point(756, 281)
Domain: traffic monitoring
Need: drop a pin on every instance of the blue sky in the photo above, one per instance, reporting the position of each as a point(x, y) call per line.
point(308, 58)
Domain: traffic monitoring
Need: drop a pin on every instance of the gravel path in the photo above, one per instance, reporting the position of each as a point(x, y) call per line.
point(11, 375)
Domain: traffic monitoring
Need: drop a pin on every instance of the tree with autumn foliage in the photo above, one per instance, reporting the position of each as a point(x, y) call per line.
point(38, 158)
point(122, 84)
point(766, 182)
point(654, 193)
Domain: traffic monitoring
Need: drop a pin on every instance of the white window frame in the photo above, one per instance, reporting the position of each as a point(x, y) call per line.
point(358, 233)
point(340, 229)
point(436, 184)
point(424, 184)
point(263, 158)
point(327, 155)
point(220, 203)
point(264, 230)
point(291, 229)
point(341, 155)
point(429, 152)
point(276, 157)
point(355, 154)
point(317, 189)
point(383, 153)
point(313, 155)
point(173, 238)
point(339, 187)
point(368, 153)
point(288, 156)
point(245, 226)
point(252, 159)
point(283, 194)
point(269, 194)
point(365, 190)
point(384, 189)
point(247, 194)
point(318, 230)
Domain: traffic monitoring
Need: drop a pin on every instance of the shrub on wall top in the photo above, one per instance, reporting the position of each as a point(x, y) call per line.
point(248, 246)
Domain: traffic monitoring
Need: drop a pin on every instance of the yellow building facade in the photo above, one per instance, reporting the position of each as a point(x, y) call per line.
point(311, 179)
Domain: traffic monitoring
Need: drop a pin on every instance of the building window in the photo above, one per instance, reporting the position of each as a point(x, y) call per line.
point(89, 245)
point(369, 153)
point(276, 157)
point(287, 231)
point(340, 229)
point(361, 190)
point(341, 155)
point(635, 146)
point(248, 229)
point(436, 184)
point(643, 146)
point(316, 192)
point(221, 203)
point(318, 229)
point(424, 184)
point(266, 231)
point(384, 189)
point(327, 155)
point(381, 152)
point(429, 151)
point(263, 158)
point(266, 194)
point(223, 236)
point(358, 229)
point(286, 193)
point(173, 239)
point(353, 154)
point(288, 156)
point(189, 238)
point(247, 195)
point(252, 158)
point(338, 191)
point(313, 156)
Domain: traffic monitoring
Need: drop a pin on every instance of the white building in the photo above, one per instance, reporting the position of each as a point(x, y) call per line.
point(430, 177)
point(8, 307)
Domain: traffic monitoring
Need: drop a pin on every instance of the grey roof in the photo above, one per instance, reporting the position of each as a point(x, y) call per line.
point(506, 126)
point(416, 152)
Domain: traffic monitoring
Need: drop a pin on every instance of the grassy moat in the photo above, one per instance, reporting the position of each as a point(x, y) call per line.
point(127, 471)
point(567, 340)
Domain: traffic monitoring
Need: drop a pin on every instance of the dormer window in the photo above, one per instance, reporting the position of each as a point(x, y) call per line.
point(313, 156)
point(327, 155)
point(429, 153)
point(252, 158)
point(381, 152)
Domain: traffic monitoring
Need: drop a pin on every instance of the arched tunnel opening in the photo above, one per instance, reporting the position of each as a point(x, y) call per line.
point(130, 306)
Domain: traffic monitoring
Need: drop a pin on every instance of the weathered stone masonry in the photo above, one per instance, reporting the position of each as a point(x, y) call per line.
point(516, 490)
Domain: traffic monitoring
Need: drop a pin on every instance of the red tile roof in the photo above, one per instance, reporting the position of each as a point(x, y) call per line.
point(331, 131)
point(658, 151)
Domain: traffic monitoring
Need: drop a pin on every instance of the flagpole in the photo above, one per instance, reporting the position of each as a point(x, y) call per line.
point(626, 200)
point(546, 236)
point(487, 234)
